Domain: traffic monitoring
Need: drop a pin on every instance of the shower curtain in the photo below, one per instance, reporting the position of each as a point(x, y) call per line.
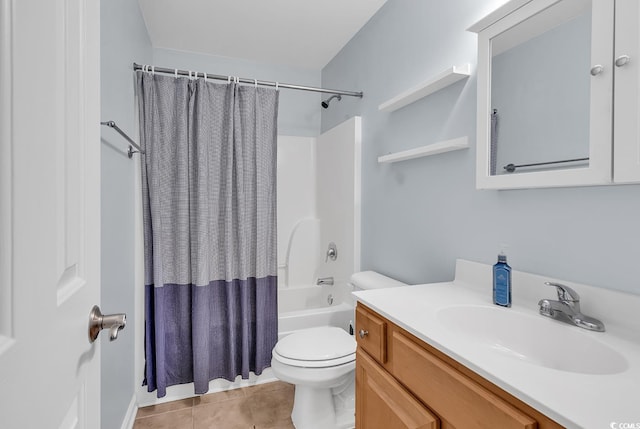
point(209, 207)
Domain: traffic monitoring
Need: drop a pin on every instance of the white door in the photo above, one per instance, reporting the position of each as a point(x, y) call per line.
point(626, 166)
point(49, 213)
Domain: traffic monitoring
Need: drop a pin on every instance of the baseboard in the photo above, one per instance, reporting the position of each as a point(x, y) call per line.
point(130, 417)
point(184, 391)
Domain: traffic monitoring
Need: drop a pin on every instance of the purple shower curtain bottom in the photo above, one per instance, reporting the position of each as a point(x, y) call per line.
point(200, 333)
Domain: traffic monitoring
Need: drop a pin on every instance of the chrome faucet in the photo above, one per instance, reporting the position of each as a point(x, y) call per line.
point(324, 281)
point(567, 309)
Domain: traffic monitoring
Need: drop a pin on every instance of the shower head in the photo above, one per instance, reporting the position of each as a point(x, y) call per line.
point(326, 102)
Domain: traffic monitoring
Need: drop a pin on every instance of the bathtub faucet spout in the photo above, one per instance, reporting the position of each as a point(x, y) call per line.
point(324, 281)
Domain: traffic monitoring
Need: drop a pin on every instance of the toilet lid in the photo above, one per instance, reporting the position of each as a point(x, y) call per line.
point(316, 344)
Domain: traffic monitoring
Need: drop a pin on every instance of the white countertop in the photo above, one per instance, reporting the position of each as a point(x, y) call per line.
point(573, 399)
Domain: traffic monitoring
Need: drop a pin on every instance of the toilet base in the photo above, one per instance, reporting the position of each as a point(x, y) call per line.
point(313, 408)
point(318, 408)
point(344, 404)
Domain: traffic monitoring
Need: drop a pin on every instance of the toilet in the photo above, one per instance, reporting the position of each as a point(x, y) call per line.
point(321, 363)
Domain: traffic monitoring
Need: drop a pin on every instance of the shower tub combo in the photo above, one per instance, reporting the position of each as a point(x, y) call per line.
point(305, 307)
point(304, 301)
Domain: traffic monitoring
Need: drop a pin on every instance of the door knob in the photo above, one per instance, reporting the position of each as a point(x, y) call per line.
point(98, 321)
point(362, 333)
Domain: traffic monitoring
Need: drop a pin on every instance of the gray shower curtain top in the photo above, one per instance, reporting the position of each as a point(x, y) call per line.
point(209, 207)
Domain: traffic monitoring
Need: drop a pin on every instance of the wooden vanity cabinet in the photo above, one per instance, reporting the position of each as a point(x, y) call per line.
point(417, 386)
point(372, 334)
point(383, 403)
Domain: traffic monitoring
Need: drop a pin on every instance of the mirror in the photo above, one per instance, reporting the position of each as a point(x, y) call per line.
point(544, 94)
point(540, 91)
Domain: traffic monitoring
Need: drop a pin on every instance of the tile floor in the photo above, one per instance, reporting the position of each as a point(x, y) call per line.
point(264, 406)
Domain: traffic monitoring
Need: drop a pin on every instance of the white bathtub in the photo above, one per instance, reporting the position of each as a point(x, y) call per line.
point(311, 306)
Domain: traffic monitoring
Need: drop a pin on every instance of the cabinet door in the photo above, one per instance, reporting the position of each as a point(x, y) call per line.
point(382, 403)
point(591, 106)
point(448, 392)
point(371, 334)
point(626, 167)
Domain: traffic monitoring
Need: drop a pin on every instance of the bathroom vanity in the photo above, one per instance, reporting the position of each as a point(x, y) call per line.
point(442, 356)
point(397, 372)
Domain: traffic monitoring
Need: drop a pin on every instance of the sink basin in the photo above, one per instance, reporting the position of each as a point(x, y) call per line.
point(533, 339)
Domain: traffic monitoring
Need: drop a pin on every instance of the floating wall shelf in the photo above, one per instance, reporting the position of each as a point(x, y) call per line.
point(442, 80)
point(432, 149)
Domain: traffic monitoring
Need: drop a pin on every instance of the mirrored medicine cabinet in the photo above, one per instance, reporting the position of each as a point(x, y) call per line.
point(546, 96)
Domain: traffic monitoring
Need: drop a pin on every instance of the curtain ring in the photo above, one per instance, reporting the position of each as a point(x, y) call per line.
point(176, 73)
point(228, 79)
point(205, 76)
point(255, 83)
point(277, 86)
point(237, 79)
point(153, 70)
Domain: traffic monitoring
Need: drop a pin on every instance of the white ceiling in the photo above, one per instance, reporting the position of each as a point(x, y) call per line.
point(299, 33)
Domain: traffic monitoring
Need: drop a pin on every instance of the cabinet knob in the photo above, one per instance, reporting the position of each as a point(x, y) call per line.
point(622, 60)
point(596, 70)
point(363, 333)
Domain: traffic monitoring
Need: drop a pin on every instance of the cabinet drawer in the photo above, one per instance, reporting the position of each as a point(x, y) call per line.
point(449, 393)
point(371, 334)
point(382, 403)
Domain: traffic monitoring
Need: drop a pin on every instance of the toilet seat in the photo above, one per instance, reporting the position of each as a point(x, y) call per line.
point(316, 348)
point(315, 363)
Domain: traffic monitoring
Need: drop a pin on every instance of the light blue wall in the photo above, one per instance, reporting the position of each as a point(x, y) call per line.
point(420, 215)
point(124, 40)
point(299, 111)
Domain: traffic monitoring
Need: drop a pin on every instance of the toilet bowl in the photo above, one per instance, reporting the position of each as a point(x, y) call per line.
point(321, 363)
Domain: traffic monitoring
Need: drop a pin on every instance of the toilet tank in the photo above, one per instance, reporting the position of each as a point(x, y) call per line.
point(366, 280)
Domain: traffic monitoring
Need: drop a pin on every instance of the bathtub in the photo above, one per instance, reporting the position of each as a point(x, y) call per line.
point(305, 307)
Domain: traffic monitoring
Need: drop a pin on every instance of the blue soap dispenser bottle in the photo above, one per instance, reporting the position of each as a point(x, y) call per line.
point(502, 282)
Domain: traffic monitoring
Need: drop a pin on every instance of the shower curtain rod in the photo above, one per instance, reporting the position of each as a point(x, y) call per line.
point(358, 94)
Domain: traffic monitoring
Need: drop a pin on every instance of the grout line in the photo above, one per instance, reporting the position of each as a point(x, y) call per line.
point(163, 412)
